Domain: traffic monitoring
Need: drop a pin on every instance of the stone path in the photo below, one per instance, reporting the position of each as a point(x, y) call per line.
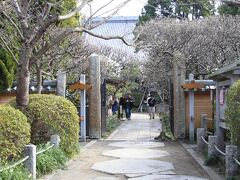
point(131, 153)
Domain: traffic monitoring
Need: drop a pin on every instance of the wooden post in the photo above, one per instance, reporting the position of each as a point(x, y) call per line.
point(191, 111)
point(103, 106)
point(219, 131)
point(83, 110)
point(94, 97)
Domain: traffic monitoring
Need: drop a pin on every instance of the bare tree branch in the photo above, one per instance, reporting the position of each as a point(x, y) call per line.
point(9, 50)
point(106, 37)
point(14, 24)
point(74, 12)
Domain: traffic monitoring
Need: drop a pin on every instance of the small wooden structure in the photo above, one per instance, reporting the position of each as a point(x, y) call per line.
point(48, 87)
point(225, 77)
point(197, 101)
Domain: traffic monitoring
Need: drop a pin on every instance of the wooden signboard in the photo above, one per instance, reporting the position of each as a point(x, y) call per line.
point(193, 85)
point(80, 86)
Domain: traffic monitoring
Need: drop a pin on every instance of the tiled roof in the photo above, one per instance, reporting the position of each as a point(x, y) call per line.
point(116, 26)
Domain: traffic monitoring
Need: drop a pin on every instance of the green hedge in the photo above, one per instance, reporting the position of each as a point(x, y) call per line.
point(232, 113)
point(50, 114)
point(14, 132)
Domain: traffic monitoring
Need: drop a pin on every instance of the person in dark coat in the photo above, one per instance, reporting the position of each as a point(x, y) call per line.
point(121, 107)
point(128, 106)
point(114, 105)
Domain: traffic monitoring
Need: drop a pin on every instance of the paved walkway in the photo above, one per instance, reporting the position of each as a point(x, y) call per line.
point(131, 153)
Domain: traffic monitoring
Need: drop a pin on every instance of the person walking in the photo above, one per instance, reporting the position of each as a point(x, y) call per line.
point(121, 107)
point(128, 106)
point(151, 107)
point(114, 105)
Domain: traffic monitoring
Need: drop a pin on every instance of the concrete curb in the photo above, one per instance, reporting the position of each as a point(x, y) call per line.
point(115, 132)
point(211, 173)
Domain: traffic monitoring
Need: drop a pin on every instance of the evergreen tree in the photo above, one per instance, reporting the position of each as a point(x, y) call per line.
point(7, 70)
point(229, 9)
point(194, 9)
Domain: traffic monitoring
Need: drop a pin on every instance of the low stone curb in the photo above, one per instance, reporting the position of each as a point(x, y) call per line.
point(115, 131)
point(211, 173)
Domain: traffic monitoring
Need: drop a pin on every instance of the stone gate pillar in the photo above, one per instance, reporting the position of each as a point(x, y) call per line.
point(178, 78)
point(61, 84)
point(94, 97)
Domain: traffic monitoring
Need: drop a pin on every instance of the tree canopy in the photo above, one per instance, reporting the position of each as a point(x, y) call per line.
point(29, 21)
point(181, 9)
point(229, 9)
point(197, 46)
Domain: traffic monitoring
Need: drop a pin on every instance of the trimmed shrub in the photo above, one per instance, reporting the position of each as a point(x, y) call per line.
point(232, 113)
point(14, 132)
point(51, 114)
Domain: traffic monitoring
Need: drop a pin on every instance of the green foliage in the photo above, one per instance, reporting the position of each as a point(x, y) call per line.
point(176, 8)
point(14, 132)
point(137, 96)
point(225, 9)
point(74, 97)
point(112, 123)
point(232, 113)
point(67, 6)
point(131, 75)
point(166, 125)
point(17, 173)
point(111, 89)
point(50, 160)
point(50, 114)
point(7, 70)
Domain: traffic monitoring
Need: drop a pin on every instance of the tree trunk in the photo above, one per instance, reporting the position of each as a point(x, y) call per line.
point(23, 78)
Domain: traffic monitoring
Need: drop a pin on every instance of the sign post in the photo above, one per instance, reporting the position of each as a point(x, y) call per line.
point(83, 87)
point(83, 109)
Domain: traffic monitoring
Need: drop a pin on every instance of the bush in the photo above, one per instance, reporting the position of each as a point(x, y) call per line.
point(16, 173)
point(14, 132)
point(50, 160)
point(232, 113)
point(50, 114)
point(112, 123)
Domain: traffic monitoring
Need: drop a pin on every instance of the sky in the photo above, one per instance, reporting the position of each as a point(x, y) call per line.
point(132, 8)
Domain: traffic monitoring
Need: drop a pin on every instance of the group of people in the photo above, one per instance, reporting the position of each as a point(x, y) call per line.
point(125, 103)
